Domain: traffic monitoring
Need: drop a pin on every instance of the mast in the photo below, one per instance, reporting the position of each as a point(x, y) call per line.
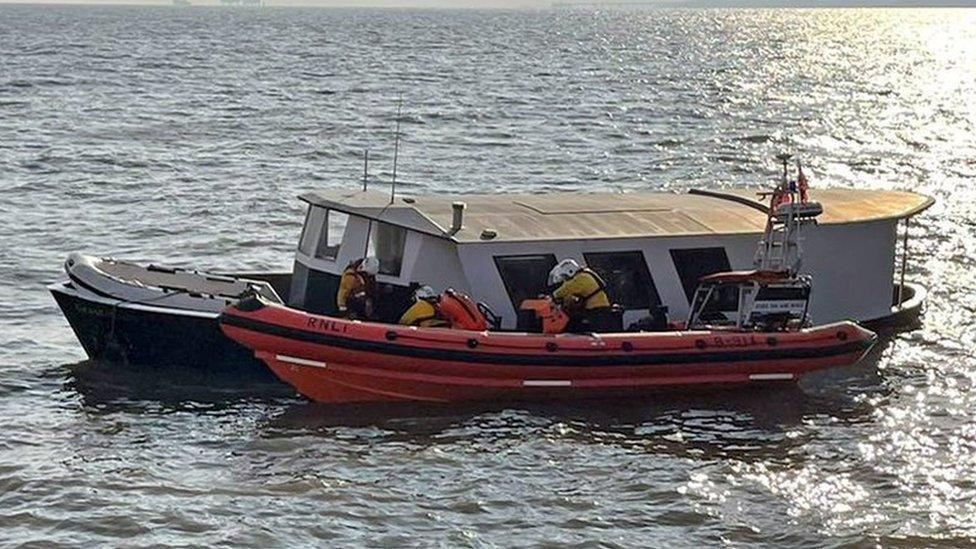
point(365, 168)
point(396, 149)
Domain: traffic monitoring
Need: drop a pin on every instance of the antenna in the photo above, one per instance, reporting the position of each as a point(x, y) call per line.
point(396, 148)
point(785, 158)
point(365, 168)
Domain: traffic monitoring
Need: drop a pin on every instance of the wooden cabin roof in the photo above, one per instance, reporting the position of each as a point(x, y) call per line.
point(561, 216)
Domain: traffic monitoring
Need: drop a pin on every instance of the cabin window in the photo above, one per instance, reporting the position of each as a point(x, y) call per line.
point(330, 238)
point(694, 263)
point(725, 298)
point(628, 280)
point(525, 276)
point(386, 242)
point(314, 221)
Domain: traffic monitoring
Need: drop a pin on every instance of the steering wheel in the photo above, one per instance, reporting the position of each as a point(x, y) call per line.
point(494, 320)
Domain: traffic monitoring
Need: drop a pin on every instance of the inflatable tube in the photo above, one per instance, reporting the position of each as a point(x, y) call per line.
point(334, 360)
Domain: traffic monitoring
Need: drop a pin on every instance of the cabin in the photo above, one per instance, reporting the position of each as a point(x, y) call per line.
point(650, 248)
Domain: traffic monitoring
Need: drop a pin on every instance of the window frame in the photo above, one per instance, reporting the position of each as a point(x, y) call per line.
point(325, 233)
point(305, 239)
point(371, 247)
point(643, 280)
point(509, 289)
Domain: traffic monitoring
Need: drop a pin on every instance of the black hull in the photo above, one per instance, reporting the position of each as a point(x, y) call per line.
point(155, 338)
point(907, 306)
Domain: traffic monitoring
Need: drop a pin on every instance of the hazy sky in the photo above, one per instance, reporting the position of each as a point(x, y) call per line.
point(535, 3)
point(322, 3)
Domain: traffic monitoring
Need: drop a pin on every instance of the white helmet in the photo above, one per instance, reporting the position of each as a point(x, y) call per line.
point(425, 293)
point(563, 271)
point(370, 266)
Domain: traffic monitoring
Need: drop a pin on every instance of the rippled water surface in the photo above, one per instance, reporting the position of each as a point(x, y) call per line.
point(184, 135)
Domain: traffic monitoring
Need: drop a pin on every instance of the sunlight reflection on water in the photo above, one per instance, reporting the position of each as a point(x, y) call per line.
point(184, 135)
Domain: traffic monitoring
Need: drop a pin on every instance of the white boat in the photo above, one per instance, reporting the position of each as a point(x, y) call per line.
point(651, 249)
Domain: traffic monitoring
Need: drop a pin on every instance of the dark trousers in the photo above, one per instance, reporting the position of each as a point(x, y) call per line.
point(359, 308)
point(602, 320)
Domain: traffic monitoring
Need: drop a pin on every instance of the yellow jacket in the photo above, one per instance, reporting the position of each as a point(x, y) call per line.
point(584, 290)
point(352, 282)
point(422, 314)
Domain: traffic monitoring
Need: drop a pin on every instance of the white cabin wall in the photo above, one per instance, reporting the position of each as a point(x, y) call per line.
point(426, 259)
point(852, 268)
point(479, 268)
point(435, 262)
point(852, 265)
point(353, 247)
point(482, 273)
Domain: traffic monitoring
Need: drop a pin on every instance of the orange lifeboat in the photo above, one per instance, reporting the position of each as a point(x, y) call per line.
point(337, 361)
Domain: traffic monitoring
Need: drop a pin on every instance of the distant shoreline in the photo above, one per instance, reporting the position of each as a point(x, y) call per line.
point(517, 5)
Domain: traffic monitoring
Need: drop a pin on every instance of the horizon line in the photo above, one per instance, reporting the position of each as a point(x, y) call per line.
point(528, 5)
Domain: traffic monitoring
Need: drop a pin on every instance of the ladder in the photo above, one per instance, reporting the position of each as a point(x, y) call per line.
point(780, 248)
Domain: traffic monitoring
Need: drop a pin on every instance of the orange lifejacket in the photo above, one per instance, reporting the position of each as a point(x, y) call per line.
point(554, 319)
point(461, 311)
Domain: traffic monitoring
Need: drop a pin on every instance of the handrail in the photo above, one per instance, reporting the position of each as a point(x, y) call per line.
point(731, 198)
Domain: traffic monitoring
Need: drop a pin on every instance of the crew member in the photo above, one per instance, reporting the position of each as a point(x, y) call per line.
point(425, 311)
point(582, 294)
point(356, 288)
